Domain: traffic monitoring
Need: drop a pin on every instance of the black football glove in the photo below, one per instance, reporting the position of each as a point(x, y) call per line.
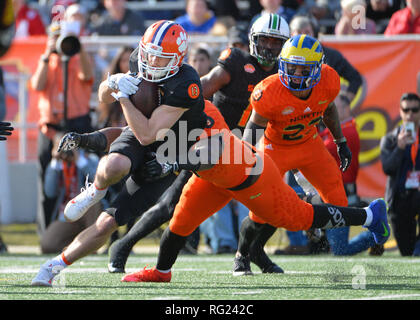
point(5, 130)
point(69, 142)
point(154, 170)
point(344, 154)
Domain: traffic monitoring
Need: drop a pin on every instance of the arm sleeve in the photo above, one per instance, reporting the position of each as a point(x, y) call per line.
point(253, 133)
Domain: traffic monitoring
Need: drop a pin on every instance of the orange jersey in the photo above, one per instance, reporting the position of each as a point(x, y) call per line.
point(237, 157)
point(293, 120)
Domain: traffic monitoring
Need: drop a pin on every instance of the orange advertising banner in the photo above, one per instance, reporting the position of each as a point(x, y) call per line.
point(389, 67)
point(23, 57)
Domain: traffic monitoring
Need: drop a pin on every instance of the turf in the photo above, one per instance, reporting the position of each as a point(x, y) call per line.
point(208, 277)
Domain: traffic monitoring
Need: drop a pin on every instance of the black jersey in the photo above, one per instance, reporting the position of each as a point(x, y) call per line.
point(233, 99)
point(183, 90)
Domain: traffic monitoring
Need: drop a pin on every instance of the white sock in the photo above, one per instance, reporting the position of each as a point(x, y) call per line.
point(164, 271)
point(99, 193)
point(369, 217)
point(60, 260)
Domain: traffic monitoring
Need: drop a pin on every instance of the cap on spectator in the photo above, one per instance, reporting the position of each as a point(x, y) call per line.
point(237, 35)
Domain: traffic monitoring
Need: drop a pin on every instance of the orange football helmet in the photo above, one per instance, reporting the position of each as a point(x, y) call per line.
point(165, 39)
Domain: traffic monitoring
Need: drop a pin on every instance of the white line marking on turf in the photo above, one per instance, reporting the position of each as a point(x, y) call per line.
point(247, 292)
point(394, 296)
point(169, 298)
point(312, 259)
point(74, 269)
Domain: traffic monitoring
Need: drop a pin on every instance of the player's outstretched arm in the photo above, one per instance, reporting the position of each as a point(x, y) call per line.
point(332, 122)
point(5, 130)
point(216, 79)
point(150, 130)
point(95, 141)
point(203, 155)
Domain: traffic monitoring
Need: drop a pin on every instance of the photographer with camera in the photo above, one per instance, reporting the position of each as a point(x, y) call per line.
point(64, 176)
point(64, 80)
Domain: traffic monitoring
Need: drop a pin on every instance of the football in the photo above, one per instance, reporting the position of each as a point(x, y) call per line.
point(147, 97)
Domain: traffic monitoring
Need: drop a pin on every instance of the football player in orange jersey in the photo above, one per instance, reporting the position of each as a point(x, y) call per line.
point(251, 177)
point(286, 109)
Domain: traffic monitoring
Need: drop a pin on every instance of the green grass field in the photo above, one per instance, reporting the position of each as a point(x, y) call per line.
point(208, 277)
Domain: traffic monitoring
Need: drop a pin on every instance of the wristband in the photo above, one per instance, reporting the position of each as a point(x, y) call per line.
point(341, 140)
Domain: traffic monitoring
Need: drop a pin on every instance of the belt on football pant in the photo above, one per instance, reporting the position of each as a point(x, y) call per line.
point(252, 177)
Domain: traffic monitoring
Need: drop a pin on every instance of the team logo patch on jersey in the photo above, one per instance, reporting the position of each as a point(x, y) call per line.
point(209, 122)
point(249, 68)
point(193, 91)
point(308, 109)
point(287, 110)
point(225, 54)
point(257, 94)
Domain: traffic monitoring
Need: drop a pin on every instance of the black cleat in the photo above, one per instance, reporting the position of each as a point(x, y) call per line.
point(117, 258)
point(242, 266)
point(261, 259)
point(114, 268)
point(272, 268)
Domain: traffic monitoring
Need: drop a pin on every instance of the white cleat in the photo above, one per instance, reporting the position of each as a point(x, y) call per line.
point(78, 206)
point(46, 275)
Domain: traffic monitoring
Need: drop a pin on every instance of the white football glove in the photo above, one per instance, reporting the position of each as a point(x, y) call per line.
point(124, 83)
point(119, 95)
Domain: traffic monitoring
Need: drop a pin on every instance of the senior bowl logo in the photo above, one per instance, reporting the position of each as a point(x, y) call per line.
point(287, 110)
point(249, 68)
point(225, 54)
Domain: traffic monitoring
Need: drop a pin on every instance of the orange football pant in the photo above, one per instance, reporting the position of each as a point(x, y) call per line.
point(269, 198)
point(315, 163)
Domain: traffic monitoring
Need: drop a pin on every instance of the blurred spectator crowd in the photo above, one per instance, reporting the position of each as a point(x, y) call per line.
point(125, 17)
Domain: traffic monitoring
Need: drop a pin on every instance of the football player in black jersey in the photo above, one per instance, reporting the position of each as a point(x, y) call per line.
point(160, 59)
point(230, 83)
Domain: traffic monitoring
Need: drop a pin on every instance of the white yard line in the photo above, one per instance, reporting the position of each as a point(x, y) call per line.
point(394, 296)
point(277, 259)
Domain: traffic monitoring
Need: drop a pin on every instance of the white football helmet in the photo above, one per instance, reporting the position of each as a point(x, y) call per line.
point(269, 26)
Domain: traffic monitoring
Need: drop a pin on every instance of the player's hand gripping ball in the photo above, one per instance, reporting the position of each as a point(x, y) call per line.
point(147, 97)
